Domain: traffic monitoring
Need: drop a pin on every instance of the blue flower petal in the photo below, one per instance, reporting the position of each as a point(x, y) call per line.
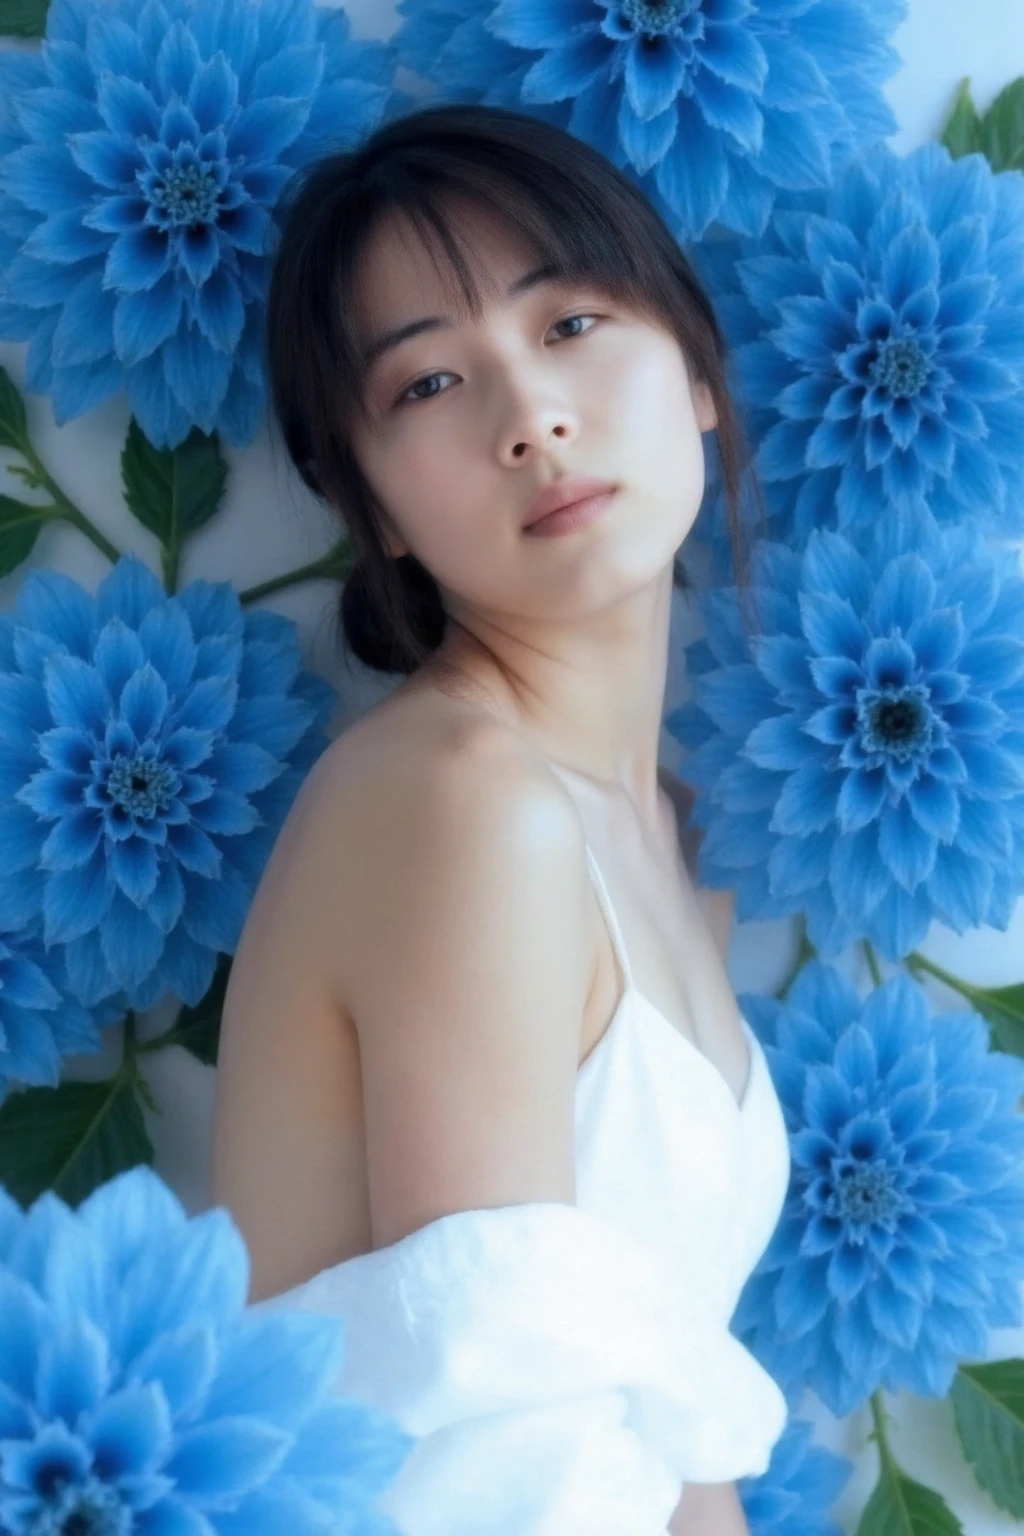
point(132, 943)
point(74, 1371)
point(537, 23)
point(653, 75)
point(568, 68)
point(76, 900)
point(646, 140)
point(694, 176)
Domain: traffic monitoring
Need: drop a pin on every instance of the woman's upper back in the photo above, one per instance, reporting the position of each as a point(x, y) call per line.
point(401, 1034)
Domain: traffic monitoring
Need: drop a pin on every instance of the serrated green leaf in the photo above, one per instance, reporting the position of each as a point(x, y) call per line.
point(174, 491)
point(71, 1138)
point(19, 529)
point(23, 18)
point(988, 1402)
point(1003, 1007)
point(198, 1029)
point(13, 425)
point(962, 133)
point(1001, 137)
point(899, 1506)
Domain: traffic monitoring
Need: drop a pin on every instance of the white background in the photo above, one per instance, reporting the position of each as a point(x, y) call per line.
point(269, 524)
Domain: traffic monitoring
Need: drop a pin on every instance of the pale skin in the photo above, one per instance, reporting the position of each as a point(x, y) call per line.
point(425, 965)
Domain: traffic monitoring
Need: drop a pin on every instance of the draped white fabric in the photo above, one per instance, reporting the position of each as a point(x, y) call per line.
point(561, 1380)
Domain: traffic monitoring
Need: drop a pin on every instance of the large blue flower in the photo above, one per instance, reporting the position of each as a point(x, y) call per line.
point(152, 747)
point(721, 102)
point(40, 1020)
point(141, 153)
point(901, 1241)
point(801, 1484)
point(862, 760)
point(879, 336)
point(139, 1397)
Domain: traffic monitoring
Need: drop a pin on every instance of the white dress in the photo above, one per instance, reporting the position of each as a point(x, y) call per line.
point(567, 1368)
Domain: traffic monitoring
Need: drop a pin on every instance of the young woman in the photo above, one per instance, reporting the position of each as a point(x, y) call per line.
point(484, 1089)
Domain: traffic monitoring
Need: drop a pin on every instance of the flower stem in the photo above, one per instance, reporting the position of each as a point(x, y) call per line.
point(159, 1042)
point(916, 962)
point(70, 514)
point(337, 562)
point(130, 1044)
point(805, 951)
point(880, 1435)
point(63, 507)
point(130, 1064)
point(872, 959)
point(170, 556)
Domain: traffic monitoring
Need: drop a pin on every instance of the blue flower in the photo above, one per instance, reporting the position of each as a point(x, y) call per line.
point(721, 103)
point(138, 1395)
point(862, 760)
point(879, 344)
point(901, 1241)
point(152, 747)
point(793, 1497)
point(141, 153)
point(41, 1022)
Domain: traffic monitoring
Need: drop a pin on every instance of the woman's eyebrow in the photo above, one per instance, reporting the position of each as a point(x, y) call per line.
point(387, 340)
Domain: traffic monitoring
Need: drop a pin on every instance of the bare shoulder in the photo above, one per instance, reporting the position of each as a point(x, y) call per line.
point(468, 958)
point(401, 1033)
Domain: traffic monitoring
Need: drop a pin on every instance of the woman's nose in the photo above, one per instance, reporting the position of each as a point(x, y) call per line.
point(533, 420)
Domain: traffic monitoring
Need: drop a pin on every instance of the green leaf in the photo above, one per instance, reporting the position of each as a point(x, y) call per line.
point(962, 133)
point(23, 18)
point(1003, 1007)
point(172, 491)
point(198, 1028)
point(19, 529)
point(1002, 129)
point(71, 1138)
point(988, 1401)
point(13, 425)
point(901, 1507)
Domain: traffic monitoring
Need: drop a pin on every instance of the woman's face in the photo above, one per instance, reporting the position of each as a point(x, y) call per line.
point(468, 420)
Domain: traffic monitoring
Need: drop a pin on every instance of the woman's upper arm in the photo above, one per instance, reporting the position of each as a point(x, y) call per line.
point(286, 1154)
point(467, 977)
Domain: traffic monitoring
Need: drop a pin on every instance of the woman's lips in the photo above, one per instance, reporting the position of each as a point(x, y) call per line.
point(567, 519)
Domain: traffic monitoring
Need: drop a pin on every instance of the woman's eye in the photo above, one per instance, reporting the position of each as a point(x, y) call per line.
point(570, 318)
point(407, 397)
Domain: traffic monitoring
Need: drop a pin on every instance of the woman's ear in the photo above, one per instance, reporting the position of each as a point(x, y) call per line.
point(704, 408)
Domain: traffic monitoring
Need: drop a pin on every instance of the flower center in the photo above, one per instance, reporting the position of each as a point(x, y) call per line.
point(141, 785)
point(900, 367)
point(187, 194)
point(896, 722)
point(91, 1509)
point(863, 1196)
point(654, 17)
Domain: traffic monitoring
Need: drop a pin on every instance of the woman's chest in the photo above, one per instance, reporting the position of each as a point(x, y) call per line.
point(670, 948)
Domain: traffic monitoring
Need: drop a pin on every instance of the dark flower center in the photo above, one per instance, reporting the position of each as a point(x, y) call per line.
point(141, 785)
point(896, 722)
point(863, 1195)
point(91, 1511)
point(73, 1508)
point(901, 367)
point(187, 194)
point(655, 17)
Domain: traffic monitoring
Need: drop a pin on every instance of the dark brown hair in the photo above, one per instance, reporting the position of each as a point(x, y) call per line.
point(585, 218)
